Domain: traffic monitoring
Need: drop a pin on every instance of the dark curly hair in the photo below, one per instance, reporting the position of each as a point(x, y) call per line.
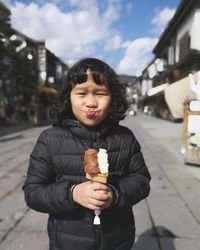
point(102, 73)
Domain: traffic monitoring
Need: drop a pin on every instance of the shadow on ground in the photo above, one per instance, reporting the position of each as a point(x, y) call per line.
point(151, 239)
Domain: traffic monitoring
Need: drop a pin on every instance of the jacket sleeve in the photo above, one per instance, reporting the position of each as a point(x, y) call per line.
point(135, 185)
point(42, 192)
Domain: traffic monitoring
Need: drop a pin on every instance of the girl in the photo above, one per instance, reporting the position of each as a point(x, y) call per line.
point(87, 113)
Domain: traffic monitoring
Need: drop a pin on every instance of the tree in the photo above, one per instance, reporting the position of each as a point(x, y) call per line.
point(5, 31)
point(4, 18)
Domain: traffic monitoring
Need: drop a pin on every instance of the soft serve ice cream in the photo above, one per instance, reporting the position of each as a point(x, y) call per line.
point(96, 168)
point(96, 165)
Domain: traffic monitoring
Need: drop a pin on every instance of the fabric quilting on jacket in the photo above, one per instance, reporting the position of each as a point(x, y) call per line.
point(56, 163)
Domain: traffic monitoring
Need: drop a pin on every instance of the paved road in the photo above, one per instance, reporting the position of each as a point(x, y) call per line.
point(168, 220)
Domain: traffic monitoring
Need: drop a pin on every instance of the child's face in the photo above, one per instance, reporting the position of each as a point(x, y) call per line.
point(90, 102)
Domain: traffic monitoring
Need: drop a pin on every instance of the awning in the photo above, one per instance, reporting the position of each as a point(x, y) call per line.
point(157, 89)
point(176, 95)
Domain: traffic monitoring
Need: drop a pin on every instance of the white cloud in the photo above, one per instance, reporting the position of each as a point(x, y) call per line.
point(138, 53)
point(129, 8)
point(82, 4)
point(126, 44)
point(112, 12)
point(70, 35)
point(114, 43)
point(77, 32)
point(137, 56)
point(161, 19)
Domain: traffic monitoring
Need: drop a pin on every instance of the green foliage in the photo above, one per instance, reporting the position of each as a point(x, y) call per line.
point(5, 30)
point(14, 66)
point(4, 18)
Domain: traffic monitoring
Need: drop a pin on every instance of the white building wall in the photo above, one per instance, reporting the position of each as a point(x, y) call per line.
point(152, 70)
point(146, 85)
point(195, 34)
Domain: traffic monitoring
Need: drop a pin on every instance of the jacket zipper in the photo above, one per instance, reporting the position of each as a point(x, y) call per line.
point(92, 138)
point(97, 228)
point(98, 237)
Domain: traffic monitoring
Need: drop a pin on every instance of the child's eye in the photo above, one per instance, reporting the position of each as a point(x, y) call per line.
point(81, 93)
point(101, 93)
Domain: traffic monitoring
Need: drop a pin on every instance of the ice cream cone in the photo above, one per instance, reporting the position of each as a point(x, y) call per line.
point(96, 168)
point(97, 177)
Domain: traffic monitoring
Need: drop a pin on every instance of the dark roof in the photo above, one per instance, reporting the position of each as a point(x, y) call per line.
point(52, 55)
point(184, 8)
point(37, 42)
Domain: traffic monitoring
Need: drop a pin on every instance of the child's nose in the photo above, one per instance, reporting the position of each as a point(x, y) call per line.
point(91, 101)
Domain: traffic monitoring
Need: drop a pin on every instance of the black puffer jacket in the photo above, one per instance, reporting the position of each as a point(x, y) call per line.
point(56, 163)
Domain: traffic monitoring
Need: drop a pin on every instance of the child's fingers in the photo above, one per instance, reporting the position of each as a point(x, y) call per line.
point(100, 186)
point(100, 195)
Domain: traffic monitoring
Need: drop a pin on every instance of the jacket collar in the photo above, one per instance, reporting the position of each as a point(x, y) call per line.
point(87, 133)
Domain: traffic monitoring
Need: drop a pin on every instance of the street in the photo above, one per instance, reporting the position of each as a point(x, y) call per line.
point(169, 219)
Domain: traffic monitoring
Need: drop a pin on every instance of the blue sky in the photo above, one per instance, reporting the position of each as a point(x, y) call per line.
point(121, 32)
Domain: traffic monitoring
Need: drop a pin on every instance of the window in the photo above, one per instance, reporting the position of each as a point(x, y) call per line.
point(184, 45)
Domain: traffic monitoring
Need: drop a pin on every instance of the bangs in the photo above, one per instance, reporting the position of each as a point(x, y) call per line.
point(81, 75)
point(99, 78)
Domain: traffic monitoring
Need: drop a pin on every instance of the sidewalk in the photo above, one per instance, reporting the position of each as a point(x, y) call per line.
point(169, 135)
point(10, 128)
point(169, 219)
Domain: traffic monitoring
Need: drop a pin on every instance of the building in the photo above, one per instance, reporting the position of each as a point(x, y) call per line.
point(177, 54)
point(132, 92)
point(33, 73)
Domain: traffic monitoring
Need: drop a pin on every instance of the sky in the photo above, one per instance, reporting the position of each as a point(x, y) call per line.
point(122, 33)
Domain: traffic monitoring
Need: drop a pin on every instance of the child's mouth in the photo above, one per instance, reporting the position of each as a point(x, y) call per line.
point(90, 114)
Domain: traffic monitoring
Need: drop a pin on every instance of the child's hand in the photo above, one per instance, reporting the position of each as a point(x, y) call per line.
point(93, 195)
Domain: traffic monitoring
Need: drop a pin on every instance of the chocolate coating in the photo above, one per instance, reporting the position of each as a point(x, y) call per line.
point(91, 165)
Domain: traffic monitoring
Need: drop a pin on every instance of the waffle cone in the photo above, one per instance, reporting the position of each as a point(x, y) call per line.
point(97, 177)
